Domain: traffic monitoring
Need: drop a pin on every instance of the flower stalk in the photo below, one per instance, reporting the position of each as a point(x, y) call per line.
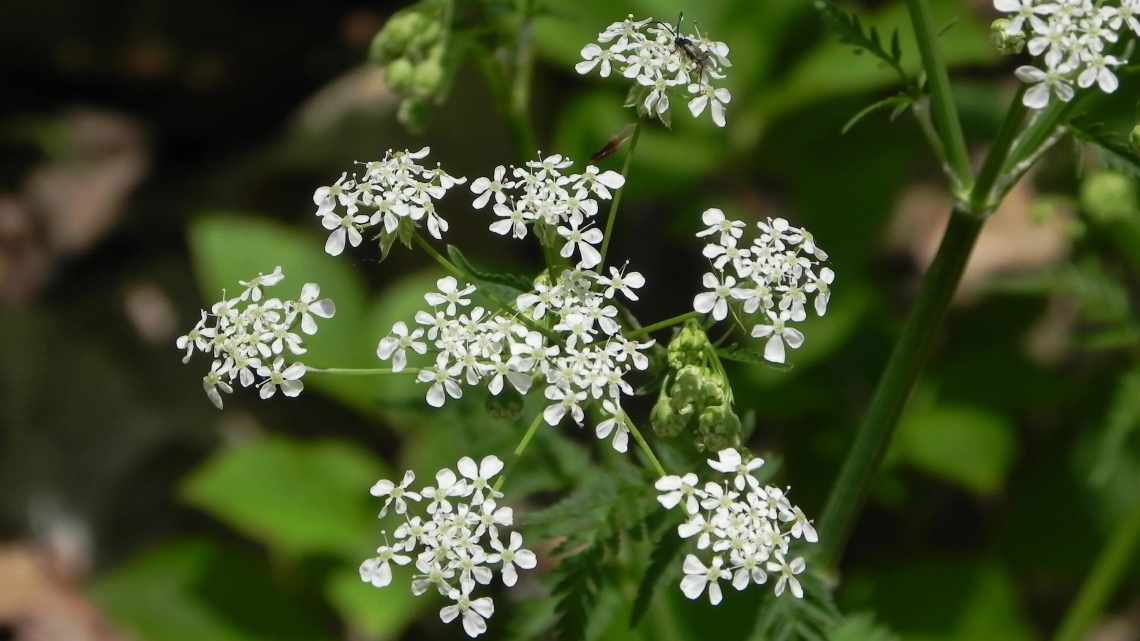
point(360, 371)
point(1110, 569)
point(662, 324)
point(616, 203)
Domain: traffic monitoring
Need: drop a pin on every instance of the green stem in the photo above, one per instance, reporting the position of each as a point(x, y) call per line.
point(616, 204)
point(903, 367)
point(447, 265)
point(518, 107)
point(662, 324)
point(521, 447)
point(1110, 569)
point(943, 109)
point(981, 197)
point(361, 371)
point(644, 445)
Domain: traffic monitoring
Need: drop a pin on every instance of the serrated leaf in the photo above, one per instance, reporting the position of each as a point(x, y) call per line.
point(662, 564)
point(850, 31)
point(576, 592)
point(740, 354)
point(515, 282)
point(297, 497)
point(861, 627)
point(790, 619)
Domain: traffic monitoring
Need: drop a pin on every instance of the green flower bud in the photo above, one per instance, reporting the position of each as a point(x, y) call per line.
point(666, 423)
point(688, 384)
point(396, 36)
point(507, 404)
point(1006, 43)
point(1108, 195)
point(399, 75)
point(414, 113)
point(718, 427)
point(429, 35)
point(428, 77)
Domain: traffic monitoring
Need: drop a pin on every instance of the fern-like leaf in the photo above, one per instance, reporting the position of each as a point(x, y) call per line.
point(786, 618)
point(576, 591)
point(851, 31)
point(662, 564)
point(861, 627)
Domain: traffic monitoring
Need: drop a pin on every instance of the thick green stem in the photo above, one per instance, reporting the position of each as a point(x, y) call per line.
point(447, 265)
point(1110, 569)
point(903, 367)
point(360, 371)
point(616, 204)
point(668, 322)
point(982, 201)
point(521, 447)
point(644, 445)
point(943, 109)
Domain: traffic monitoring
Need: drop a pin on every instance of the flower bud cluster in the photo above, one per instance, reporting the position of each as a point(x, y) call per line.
point(744, 530)
point(250, 337)
point(777, 272)
point(412, 48)
point(659, 59)
point(458, 540)
point(696, 396)
point(542, 193)
point(392, 192)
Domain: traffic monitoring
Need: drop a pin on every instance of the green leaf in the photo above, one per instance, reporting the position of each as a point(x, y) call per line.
point(1123, 421)
point(378, 614)
point(195, 590)
point(896, 103)
point(861, 627)
point(576, 590)
point(515, 283)
point(740, 354)
point(851, 31)
point(297, 497)
point(662, 566)
point(969, 446)
point(787, 618)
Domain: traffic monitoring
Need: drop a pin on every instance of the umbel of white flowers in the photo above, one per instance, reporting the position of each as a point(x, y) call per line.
point(458, 537)
point(391, 190)
point(744, 530)
point(250, 338)
point(776, 273)
point(589, 362)
point(543, 192)
point(659, 60)
point(1071, 38)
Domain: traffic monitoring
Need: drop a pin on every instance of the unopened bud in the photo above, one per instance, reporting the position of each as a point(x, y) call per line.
point(1108, 195)
point(1006, 42)
point(718, 428)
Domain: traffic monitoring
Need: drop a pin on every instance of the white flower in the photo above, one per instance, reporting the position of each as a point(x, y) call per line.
point(446, 486)
point(615, 423)
point(443, 383)
point(288, 379)
point(593, 55)
point(1023, 10)
point(788, 572)
point(716, 223)
point(713, 97)
point(449, 293)
point(716, 299)
point(488, 187)
point(624, 283)
point(474, 612)
point(582, 240)
point(396, 494)
point(729, 462)
point(565, 402)
point(675, 488)
point(1098, 69)
point(510, 556)
point(1052, 81)
point(214, 381)
point(822, 287)
point(343, 227)
point(698, 577)
point(377, 571)
point(395, 346)
point(777, 334)
point(479, 476)
point(308, 306)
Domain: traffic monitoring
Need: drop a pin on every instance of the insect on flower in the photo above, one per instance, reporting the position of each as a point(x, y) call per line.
point(687, 47)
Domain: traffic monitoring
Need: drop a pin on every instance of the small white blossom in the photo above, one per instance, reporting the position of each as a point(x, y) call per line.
point(249, 336)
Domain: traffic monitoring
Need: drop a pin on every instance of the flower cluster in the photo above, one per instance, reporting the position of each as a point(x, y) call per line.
point(1072, 37)
point(740, 524)
point(659, 58)
point(250, 337)
point(472, 346)
point(391, 191)
point(542, 192)
point(458, 540)
point(777, 272)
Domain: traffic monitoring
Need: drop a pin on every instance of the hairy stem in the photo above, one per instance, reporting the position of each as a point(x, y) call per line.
point(903, 367)
point(662, 324)
point(521, 447)
point(1110, 569)
point(943, 109)
point(644, 445)
point(360, 371)
point(616, 203)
